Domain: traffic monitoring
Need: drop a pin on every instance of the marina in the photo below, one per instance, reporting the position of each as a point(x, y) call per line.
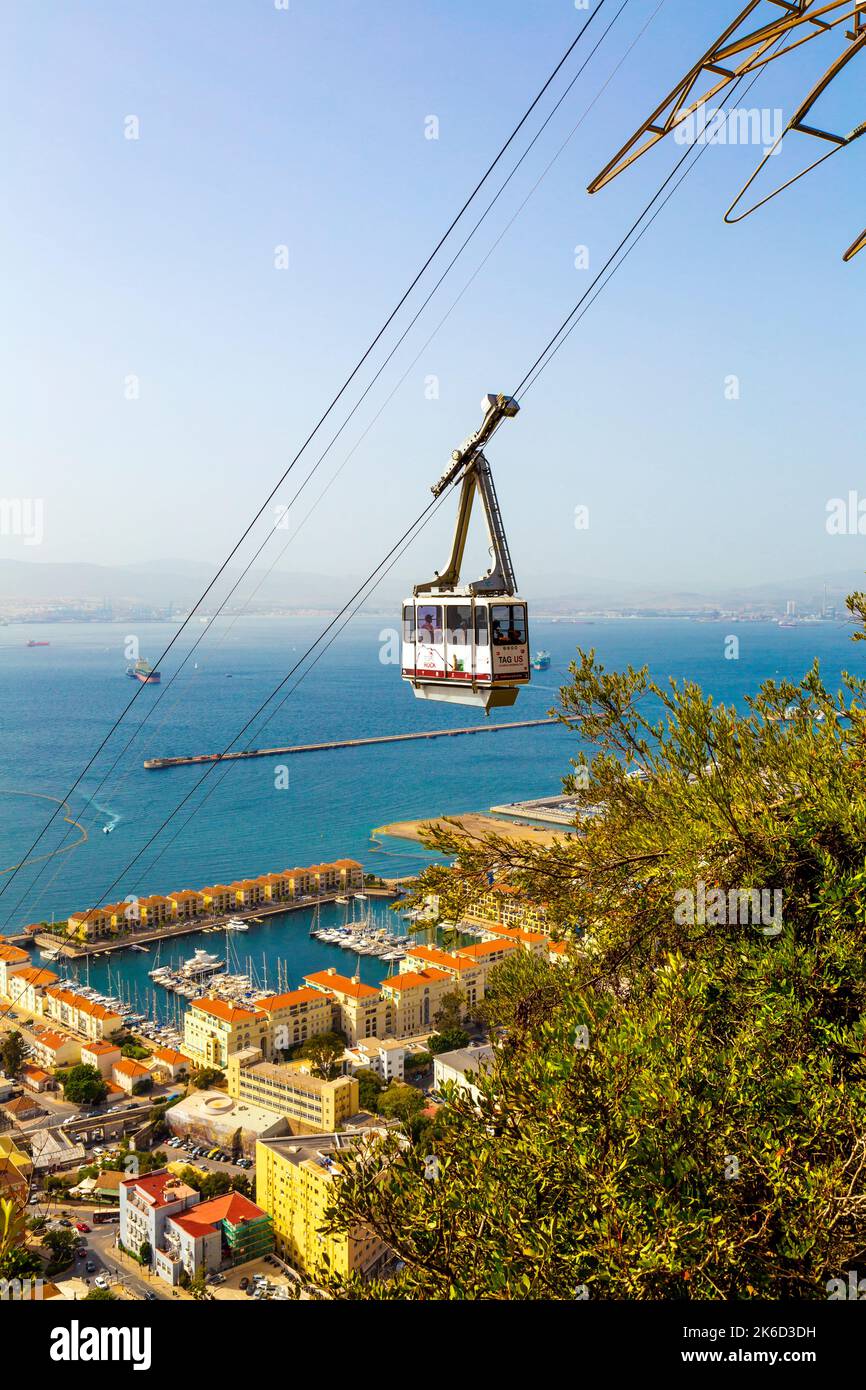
point(152, 991)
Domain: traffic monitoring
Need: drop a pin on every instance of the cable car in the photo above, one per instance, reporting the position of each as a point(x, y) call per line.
point(468, 644)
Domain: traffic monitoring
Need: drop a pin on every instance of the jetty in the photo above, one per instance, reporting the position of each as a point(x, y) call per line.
point(153, 764)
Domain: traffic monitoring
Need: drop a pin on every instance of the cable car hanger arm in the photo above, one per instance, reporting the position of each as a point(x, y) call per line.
point(470, 462)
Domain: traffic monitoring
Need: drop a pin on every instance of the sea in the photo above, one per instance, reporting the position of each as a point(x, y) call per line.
point(128, 831)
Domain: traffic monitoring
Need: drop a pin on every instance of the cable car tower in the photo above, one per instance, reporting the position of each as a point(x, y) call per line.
point(468, 644)
point(735, 54)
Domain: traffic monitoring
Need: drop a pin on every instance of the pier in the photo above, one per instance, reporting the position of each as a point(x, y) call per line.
point(153, 764)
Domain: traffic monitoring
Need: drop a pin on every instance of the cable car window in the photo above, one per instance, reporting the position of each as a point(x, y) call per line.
point(458, 624)
point(481, 627)
point(429, 623)
point(508, 623)
point(408, 623)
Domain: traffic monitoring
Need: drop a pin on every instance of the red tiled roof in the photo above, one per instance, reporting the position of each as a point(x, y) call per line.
point(232, 1207)
point(158, 1188)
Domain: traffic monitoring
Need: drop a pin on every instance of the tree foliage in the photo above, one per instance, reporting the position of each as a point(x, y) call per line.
point(676, 1108)
point(83, 1085)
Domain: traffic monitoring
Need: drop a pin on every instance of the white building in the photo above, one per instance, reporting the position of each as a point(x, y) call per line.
point(453, 1066)
point(385, 1056)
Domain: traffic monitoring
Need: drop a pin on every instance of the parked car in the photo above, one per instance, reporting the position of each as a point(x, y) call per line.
point(82, 1226)
point(34, 1201)
point(244, 1282)
point(90, 1266)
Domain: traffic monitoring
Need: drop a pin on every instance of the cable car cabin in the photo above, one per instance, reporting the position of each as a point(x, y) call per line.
point(466, 650)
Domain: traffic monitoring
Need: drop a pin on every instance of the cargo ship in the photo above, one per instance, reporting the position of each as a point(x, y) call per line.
point(33, 643)
point(144, 672)
point(541, 661)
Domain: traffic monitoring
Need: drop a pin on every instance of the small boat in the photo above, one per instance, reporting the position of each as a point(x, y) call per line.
point(140, 948)
point(32, 643)
point(235, 924)
point(107, 829)
point(541, 661)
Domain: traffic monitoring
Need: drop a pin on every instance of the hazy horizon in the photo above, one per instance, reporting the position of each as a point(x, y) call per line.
point(154, 259)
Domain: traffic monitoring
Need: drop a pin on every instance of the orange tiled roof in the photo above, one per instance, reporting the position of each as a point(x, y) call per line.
point(35, 976)
point(486, 948)
point(285, 1001)
point(129, 1067)
point(53, 1041)
point(411, 979)
point(227, 1012)
point(443, 959)
point(341, 984)
point(99, 1049)
point(168, 1055)
point(12, 953)
point(515, 933)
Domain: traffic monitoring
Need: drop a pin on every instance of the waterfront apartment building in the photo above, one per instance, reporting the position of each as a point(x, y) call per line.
point(363, 1011)
point(309, 1104)
point(12, 961)
point(294, 1178)
point(416, 996)
point(90, 1020)
point(156, 910)
point(26, 988)
point(213, 1030)
point(502, 904)
point(297, 1015)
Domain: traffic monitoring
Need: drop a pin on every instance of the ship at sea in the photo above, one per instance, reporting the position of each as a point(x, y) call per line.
point(33, 643)
point(541, 661)
point(144, 672)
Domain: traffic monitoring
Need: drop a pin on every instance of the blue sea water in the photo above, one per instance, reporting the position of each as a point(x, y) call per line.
point(58, 702)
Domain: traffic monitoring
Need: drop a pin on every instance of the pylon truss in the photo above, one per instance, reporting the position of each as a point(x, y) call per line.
point(736, 54)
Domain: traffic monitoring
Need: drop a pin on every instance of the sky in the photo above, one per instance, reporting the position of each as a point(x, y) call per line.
point(161, 368)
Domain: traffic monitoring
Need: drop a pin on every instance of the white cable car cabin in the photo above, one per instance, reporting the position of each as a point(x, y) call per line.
point(469, 644)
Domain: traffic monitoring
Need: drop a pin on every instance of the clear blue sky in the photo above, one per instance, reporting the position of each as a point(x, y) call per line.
point(260, 128)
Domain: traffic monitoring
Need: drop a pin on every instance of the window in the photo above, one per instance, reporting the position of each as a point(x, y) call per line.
point(458, 624)
point(481, 639)
point(408, 623)
point(429, 623)
point(508, 623)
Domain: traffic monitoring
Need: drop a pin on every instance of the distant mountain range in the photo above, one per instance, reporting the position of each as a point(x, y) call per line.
point(158, 583)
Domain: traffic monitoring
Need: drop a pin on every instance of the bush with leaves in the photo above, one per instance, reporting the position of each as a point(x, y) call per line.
point(677, 1107)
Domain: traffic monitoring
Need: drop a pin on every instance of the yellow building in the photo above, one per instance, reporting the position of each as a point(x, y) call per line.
point(294, 1185)
point(12, 961)
point(296, 1016)
point(15, 1170)
point(93, 1021)
point(363, 1011)
point(27, 987)
point(311, 1105)
point(416, 996)
point(218, 899)
point(503, 904)
point(469, 976)
point(212, 1030)
point(187, 904)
